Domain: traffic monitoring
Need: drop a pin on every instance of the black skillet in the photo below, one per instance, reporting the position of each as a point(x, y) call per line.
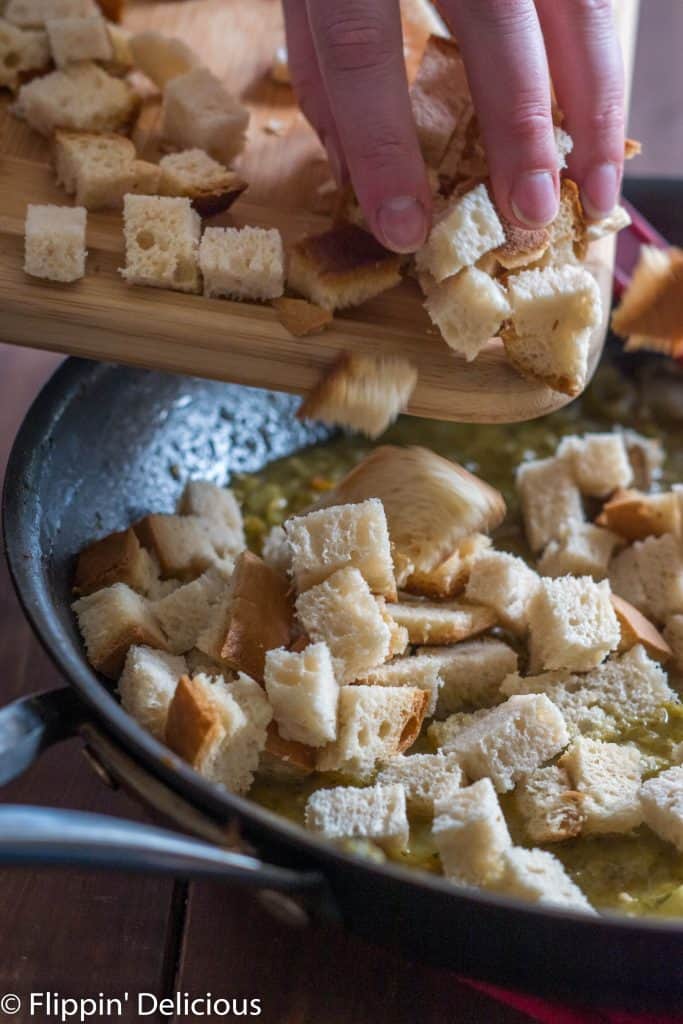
point(102, 446)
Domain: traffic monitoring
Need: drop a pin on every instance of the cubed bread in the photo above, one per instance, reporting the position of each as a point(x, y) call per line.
point(522, 246)
point(464, 231)
point(599, 462)
point(646, 456)
point(469, 309)
point(441, 734)
point(568, 241)
point(471, 834)
point(550, 500)
point(276, 551)
point(339, 536)
point(583, 550)
point(78, 39)
point(420, 671)
point(343, 613)
point(551, 809)
point(450, 577)
point(445, 622)
point(660, 567)
point(210, 186)
point(147, 685)
point(98, 169)
point(111, 621)
point(121, 60)
point(242, 263)
point(506, 585)
point(608, 777)
point(303, 693)
point(82, 97)
point(650, 311)
point(624, 578)
point(471, 672)
point(374, 724)
point(218, 507)
point(361, 392)
point(614, 222)
point(162, 57)
point(22, 51)
point(431, 503)
point(255, 616)
point(511, 740)
point(342, 267)
point(162, 243)
point(186, 612)
point(662, 804)
point(399, 639)
point(117, 558)
point(635, 516)
point(376, 812)
point(199, 112)
point(673, 635)
point(54, 242)
point(572, 624)
point(439, 96)
point(285, 759)
point(537, 876)
point(181, 544)
point(425, 778)
point(636, 629)
point(553, 312)
point(34, 13)
point(300, 317)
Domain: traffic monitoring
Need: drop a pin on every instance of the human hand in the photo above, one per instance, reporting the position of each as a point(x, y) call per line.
point(347, 68)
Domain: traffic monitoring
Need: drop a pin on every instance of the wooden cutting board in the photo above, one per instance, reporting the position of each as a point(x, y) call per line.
point(102, 318)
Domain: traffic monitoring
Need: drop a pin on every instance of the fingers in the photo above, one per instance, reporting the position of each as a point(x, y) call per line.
point(504, 54)
point(587, 70)
point(360, 55)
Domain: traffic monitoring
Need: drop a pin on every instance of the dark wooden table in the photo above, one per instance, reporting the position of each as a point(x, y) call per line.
point(81, 935)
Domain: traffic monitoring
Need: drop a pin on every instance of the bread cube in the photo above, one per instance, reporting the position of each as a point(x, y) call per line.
point(506, 585)
point(662, 803)
point(583, 550)
point(673, 634)
point(420, 671)
point(377, 813)
point(210, 186)
point(470, 834)
point(599, 462)
point(162, 57)
point(553, 312)
point(550, 500)
point(471, 672)
point(82, 97)
point(398, 635)
point(468, 309)
point(111, 621)
point(121, 61)
point(608, 777)
point(447, 622)
point(285, 759)
point(300, 317)
point(646, 456)
point(242, 263)
point(636, 516)
point(21, 51)
point(77, 39)
point(439, 96)
point(425, 778)
point(539, 877)
point(35, 13)
point(185, 613)
point(147, 685)
point(636, 629)
point(303, 693)
point(343, 613)
point(468, 228)
point(181, 544)
point(276, 551)
point(551, 809)
point(442, 733)
point(100, 168)
point(624, 578)
point(374, 724)
point(568, 242)
point(199, 112)
point(117, 558)
point(54, 242)
point(450, 577)
point(162, 243)
point(339, 536)
point(614, 222)
point(218, 507)
point(660, 567)
point(572, 624)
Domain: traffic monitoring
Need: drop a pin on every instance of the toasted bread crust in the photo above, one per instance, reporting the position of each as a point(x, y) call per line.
point(297, 756)
point(111, 664)
point(112, 9)
point(632, 515)
point(345, 251)
point(412, 719)
point(522, 245)
point(636, 629)
point(109, 560)
point(301, 318)
point(632, 148)
point(209, 202)
point(652, 306)
point(193, 724)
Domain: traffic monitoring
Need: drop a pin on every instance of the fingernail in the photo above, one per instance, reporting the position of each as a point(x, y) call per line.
point(534, 198)
point(402, 222)
point(600, 190)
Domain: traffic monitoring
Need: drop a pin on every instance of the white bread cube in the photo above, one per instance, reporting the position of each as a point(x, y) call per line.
point(599, 462)
point(614, 222)
point(446, 622)
point(471, 672)
point(276, 551)
point(377, 813)
point(82, 97)
point(100, 168)
point(242, 263)
point(21, 51)
point(673, 634)
point(184, 613)
point(550, 500)
point(398, 635)
point(468, 228)
point(442, 733)
point(624, 578)
point(161, 57)
point(564, 144)
point(54, 242)
point(636, 516)
point(217, 506)
point(199, 663)
point(111, 621)
point(343, 535)
point(450, 577)
point(551, 809)
point(583, 550)
point(424, 777)
point(468, 309)
point(303, 693)
point(181, 544)
point(662, 803)
point(116, 558)
point(147, 685)
point(572, 624)
point(35, 13)
point(375, 723)
point(343, 613)
point(77, 39)
point(470, 834)
point(198, 111)
point(646, 456)
point(121, 60)
point(193, 173)
point(421, 671)
point(660, 567)
point(539, 877)
point(505, 584)
point(608, 777)
point(162, 242)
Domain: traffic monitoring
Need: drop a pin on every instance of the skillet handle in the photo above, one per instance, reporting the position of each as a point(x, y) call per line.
point(29, 725)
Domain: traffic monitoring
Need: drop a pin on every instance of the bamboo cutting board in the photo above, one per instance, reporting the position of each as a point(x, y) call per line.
point(102, 318)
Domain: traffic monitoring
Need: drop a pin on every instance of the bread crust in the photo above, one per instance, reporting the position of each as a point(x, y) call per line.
point(650, 314)
point(636, 629)
point(298, 757)
point(300, 317)
point(113, 559)
point(193, 725)
point(635, 516)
